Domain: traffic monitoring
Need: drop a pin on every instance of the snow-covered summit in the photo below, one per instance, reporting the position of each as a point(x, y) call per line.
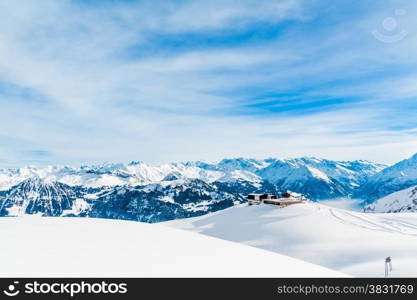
point(401, 201)
point(173, 197)
point(37, 195)
point(391, 179)
point(316, 178)
point(319, 178)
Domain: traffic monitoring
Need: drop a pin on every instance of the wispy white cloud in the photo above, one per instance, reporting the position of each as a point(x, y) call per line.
point(152, 81)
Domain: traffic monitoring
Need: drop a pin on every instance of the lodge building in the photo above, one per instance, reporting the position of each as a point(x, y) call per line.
point(284, 200)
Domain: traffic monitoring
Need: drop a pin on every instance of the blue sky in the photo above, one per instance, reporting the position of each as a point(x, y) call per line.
point(160, 81)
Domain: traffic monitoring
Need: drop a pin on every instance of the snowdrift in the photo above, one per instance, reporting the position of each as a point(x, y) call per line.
point(84, 247)
point(350, 242)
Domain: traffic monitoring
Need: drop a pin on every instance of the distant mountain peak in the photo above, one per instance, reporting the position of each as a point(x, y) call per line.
point(401, 201)
point(399, 176)
point(316, 177)
point(142, 192)
point(36, 195)
point(134, 163)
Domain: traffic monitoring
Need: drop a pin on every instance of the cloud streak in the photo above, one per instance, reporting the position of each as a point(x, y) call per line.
point(179, 80)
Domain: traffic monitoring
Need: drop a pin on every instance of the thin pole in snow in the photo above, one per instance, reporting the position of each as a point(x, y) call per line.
point(388, 266)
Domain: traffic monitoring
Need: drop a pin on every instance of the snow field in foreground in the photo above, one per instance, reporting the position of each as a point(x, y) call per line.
point(83, 247)
point(350, 242)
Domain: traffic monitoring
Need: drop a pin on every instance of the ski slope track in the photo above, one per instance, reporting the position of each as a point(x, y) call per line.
point(350, 242)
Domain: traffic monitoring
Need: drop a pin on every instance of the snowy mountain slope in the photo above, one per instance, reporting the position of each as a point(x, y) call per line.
point(304, 179)
point(166, 200)
point(12, 177)
point(392, 179)
point(35, 195)
point(238, 164)
point(105, 175)
point(402, 201)
point(131, 249)
point(178, 198)
point(349, 242)
point(317, 178)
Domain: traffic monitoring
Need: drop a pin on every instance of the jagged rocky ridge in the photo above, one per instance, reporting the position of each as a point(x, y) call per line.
point(392, 190)
point(402, 201)
point(157, 202)
point(138, 191)
point(397, 177)
point(336, 178)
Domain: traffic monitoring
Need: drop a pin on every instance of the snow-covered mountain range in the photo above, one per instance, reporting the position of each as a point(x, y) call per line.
point(166, 200)
point(392, 179)
point(138, 191)
point(394, 189)
point(340, 177)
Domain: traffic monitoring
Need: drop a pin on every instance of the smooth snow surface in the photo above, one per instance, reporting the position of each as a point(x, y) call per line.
point(350, 242)
point(84, 247)
point(344, 203)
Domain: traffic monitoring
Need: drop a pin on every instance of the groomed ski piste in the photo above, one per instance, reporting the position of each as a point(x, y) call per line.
point(34, 246)
point(350, 242)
